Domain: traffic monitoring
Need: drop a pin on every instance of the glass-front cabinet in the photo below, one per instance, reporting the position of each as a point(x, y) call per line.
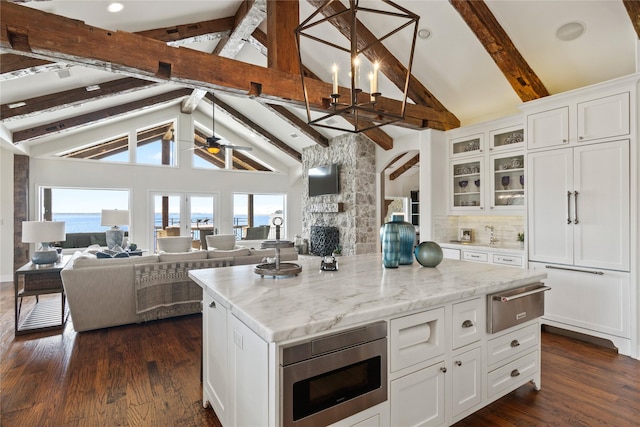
point(466, 146)
point(511, 138)
point(467, 184)
point(507, 181)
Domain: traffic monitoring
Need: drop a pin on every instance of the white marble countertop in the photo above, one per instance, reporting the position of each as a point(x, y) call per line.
point(361, 290)
point(501, 248)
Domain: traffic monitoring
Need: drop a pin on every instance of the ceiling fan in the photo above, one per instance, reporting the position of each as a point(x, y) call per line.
point(214, 144)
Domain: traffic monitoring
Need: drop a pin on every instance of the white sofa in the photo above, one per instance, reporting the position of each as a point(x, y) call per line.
point(117, 291)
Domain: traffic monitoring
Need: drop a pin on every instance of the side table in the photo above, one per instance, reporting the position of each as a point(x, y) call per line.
point(36, 280)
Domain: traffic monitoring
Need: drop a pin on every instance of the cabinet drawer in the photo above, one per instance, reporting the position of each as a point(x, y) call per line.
point(514, 260)
point(416, 338)
point(512, 344)
point(512, 375)
point(468, 319)
point(475, 256)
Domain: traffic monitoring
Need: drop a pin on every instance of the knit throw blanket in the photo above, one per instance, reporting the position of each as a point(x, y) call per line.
point(167, 284)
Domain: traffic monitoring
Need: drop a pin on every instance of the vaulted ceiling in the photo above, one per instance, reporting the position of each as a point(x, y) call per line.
point(70, 65)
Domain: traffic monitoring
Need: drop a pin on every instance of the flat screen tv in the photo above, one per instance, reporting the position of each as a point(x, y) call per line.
point(324, 180)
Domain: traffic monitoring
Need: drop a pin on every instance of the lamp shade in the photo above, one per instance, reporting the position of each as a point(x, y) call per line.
point(43, 231)
point(114, 217)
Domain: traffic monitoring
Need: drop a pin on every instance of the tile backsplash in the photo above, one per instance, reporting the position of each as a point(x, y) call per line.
point(505, 228)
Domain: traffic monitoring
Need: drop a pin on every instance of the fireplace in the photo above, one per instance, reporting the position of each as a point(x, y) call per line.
point(324, 239)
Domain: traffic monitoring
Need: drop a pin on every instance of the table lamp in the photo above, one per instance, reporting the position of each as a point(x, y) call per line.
point(43, 232)
point(114, 218)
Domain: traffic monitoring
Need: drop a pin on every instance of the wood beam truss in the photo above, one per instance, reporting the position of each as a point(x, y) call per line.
point(405, 167)
point(497, 42)
point(633, 9)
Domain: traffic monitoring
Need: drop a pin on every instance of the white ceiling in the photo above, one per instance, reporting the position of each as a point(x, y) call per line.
point(452, 63)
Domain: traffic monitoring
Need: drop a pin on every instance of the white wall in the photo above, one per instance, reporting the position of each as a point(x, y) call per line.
point(141, 180)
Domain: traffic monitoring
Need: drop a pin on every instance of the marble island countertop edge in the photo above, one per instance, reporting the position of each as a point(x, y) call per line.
point(361, 291)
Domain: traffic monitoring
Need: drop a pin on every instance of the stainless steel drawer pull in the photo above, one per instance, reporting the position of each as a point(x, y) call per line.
point(568, 207)
point(575, 207)
point(515, 373)
point(577, 270)
point(467, 324)
point(515, 343)
point(507, 259)
point(522, 295)
point(212, 304)
point(458, 363)
point(443, 370)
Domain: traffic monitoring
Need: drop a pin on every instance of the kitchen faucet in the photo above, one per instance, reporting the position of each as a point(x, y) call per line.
point(492, 239)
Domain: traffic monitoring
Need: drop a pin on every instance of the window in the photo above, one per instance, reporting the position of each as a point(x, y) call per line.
point(81, 208)
point(254, 210)
point(154, 146)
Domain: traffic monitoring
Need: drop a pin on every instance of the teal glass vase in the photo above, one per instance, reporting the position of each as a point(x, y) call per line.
point(390, 238)
point(407, 235)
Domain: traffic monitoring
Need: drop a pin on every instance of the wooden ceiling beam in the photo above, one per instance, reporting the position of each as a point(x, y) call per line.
point(405, 167)
point(390, 66)
point(180, 35)
point(633, 9)
point(43, 35)
point(295, 121)
point(17, 66)
point(246, 19)
point(215, 159)
point(497, 42)
point(73, 97)
point(95, 117)
point(282, 20)
point(256, 128)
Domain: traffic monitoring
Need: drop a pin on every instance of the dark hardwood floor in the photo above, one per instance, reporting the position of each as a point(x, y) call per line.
point(149, 375)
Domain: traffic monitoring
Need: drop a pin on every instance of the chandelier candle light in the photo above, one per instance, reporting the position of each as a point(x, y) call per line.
point(114, 218)
point(361, 112)
point(43, 232)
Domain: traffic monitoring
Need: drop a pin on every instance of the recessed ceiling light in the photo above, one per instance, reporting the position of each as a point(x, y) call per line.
point(571, 31)
point(91, 88)
point(424, 33)
point(63, 74)
point(115, 7)
point(17, 104)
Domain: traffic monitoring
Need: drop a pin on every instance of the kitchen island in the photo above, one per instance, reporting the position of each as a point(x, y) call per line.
point(249, 319)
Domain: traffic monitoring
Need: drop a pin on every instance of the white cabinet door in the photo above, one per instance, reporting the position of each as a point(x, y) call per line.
point(579, 206)
point(601, 206)
point(466, 374)
point(416, 338)
point(548, 128)
point(594, 300)
point(249, 368)
point(468, 322)
point(603, 117)
point(550, 178)
point(215, 367)
point(418, 398)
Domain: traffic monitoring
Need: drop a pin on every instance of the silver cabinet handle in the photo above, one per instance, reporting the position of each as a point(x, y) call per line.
point(467, 324)
point(575, 207)
point(458, 363)
point(515, 373)
point(212, 304)
point(568, 207)
point(443, 370)
point(515, 343)
point(577, 270)
point(522, 295)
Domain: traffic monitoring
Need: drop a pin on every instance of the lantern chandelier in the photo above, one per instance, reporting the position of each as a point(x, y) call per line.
point(356, 61)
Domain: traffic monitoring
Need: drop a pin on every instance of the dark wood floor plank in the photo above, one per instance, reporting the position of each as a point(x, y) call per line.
point(149, 374)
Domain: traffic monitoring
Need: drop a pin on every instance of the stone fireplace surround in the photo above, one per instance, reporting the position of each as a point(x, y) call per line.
point(353, 210)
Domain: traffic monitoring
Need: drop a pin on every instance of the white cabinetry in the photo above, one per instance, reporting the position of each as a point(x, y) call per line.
point(582, 208)
point(490, 178)
point(466, 380)
point(417, 399)
point(235, 368)
point(215, 367)
point(590, 120)
point(579, 206)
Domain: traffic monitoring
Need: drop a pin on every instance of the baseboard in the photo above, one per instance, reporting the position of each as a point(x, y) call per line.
point(602, 342)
